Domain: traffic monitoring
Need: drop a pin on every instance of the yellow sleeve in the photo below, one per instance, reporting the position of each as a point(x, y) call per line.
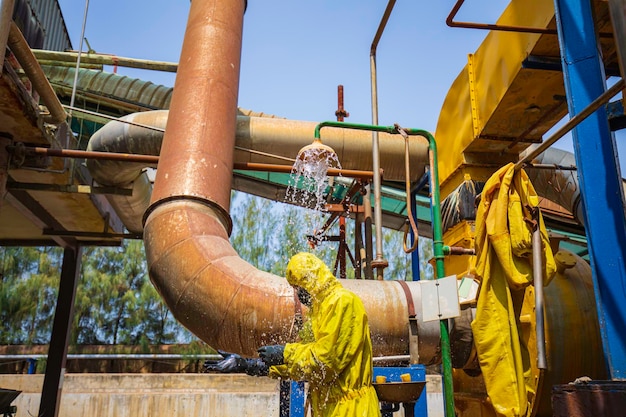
point(338, 339)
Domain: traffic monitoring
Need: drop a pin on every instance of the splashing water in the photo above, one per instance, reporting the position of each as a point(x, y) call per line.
point(309, 178)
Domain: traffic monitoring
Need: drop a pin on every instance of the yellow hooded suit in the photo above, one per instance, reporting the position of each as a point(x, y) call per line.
point(338, 363)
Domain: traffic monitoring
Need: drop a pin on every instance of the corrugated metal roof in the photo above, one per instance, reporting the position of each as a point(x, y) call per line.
point(42, 24)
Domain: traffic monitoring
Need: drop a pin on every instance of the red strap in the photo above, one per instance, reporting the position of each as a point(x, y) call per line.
point(409, 298)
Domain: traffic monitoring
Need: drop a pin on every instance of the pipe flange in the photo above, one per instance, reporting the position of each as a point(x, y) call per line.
point(222, 214)
point(380, 263)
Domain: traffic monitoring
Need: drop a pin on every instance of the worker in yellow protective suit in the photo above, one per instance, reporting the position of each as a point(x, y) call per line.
point(338, 363)
point(504, 226)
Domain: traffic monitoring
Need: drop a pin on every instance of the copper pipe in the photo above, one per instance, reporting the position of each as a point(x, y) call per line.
point(153, 160)
point(212, 291)
point(470, 25)
point(101, 156)
point(341, 112)
point(35, 74)
point(349, 173)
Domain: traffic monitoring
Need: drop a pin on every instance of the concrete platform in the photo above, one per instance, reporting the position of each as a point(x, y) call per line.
point(167, 395)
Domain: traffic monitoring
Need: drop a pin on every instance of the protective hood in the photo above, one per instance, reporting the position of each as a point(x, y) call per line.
point(309, 272)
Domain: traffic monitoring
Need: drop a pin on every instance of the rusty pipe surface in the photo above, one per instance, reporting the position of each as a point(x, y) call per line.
point(209, 288)
point(119, 137)
point(35, 74)
point(6, 15)
point(198, 145)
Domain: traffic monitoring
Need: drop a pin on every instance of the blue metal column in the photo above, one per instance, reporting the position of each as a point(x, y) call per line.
point(598, 175)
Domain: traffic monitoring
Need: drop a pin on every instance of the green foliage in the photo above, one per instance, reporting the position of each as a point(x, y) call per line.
point(30, 279)
point(268, 234)
point(115, 303)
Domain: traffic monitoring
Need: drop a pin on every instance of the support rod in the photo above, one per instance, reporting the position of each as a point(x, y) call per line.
point(572, 123)
point(379, 263)
point(105, 59)
point(538, 284)
point(504, 28)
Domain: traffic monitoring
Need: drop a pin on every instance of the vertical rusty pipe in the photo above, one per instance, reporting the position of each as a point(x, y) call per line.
point(380, 262)
point(6, 17)
point(199, 139)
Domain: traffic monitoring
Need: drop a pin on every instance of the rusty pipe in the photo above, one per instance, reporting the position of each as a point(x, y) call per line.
point(148, 160)
point(6, 16)
point(498, 27)
point(209, 288)
point(259, 140)
point(103, 156)
point(33, 70)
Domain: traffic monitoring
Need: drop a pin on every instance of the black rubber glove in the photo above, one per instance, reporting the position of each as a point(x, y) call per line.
point(272, 355)
point(256, 367)
point(232, 363)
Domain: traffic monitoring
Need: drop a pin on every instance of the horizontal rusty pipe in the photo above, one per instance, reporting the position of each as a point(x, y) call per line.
point(154, 160)
point(497, 27)
point(35, 74)
point(263, 140)
point(104, 59)
point(259, 140)
point(209, 288)
point(489, 26)
point(285, 137)
point(334, 172)
point(102, 156)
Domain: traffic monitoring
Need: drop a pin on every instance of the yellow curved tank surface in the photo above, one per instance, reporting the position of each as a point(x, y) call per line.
point(573, 344)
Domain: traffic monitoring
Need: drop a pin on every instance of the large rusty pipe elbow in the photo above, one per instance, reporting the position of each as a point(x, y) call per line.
point(212, 291)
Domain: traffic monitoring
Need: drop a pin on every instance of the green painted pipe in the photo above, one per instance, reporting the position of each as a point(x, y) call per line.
point(438, 246)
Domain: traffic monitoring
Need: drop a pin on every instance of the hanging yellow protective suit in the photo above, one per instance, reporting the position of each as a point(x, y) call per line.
point(338, 363)
point(504, 263)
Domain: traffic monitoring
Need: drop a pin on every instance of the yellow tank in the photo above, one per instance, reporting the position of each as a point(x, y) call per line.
point(573, 344)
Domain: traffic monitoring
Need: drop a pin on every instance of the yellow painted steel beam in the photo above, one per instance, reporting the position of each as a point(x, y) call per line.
point(494, 100)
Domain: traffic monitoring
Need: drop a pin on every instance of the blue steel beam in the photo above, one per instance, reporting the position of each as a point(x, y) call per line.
point(598, 174)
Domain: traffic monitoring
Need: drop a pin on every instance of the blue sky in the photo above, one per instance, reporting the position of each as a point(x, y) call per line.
point(295, 53)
